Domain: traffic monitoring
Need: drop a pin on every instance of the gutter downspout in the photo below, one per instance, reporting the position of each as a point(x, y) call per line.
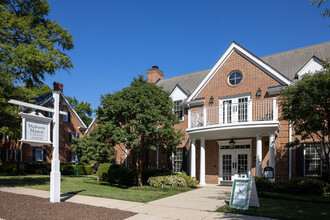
point(290, 149)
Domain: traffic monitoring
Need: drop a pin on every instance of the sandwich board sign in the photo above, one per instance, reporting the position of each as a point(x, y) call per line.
point(244, 193)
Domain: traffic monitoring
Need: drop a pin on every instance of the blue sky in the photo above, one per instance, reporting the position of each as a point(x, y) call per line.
point(117, 40)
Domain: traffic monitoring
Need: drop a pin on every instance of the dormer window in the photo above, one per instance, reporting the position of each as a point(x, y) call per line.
point(235, 78)
point(178, 109)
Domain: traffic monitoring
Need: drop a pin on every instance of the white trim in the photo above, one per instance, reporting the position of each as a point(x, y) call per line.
point(90, 125)
point(314, 64)
point(237, 142)
point(248, 55)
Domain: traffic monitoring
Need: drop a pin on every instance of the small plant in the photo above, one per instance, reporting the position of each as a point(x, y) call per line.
point(102, 171)
point(190, 181)
point(164, 181)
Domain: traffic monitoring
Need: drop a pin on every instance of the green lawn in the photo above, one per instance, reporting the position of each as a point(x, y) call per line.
point(87, 185)
point(286, 206)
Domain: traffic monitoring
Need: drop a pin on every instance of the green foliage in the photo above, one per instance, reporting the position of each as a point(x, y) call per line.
point(118, 175)
point(165, 181)
point(141, 117)
point(102, 171)
point(96, 146)
point(70, 169)
point(8, 169)
point(151, 172)
point(31, 45)
point(190, 181)
point(83, 109)
point(307, 105)
point(301, 185)
point(326, 11)
point(37, 168)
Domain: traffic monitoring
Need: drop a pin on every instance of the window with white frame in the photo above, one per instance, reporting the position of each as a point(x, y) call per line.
point(49, 114)
point(16, 154)
point(38, 155)
point(178, 156)
point(73, 135)
point(73, 156)
point(66, 117)
point(313, 161)
point(8, 154)
point(178, 109)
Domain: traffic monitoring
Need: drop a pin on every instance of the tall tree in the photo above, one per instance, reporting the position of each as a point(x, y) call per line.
point(83, 109)
point(307, 105)
point(95, 147)
point(141, 117)
point(31, 46)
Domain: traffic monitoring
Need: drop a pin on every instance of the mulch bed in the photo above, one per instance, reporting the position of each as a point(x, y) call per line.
point(15, 206)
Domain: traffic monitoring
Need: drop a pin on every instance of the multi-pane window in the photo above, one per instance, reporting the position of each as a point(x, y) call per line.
point(235, 78)
point(178, 160)
point(73, 156)
point(8, 152)
point(16, 153)
point(178, 109)
point(49, 114)
point(66, 117)
point(229, 106)
point(38, 155)
point(73, 135)
point(242, 109)
point(312, 160)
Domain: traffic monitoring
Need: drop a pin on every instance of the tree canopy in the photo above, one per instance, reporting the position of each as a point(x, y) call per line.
point(82, 108)
point(141, 117)
point(319, 3)
point(307, 105)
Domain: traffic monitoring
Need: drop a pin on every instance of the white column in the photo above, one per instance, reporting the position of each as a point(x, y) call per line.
point(249, 110)
point(290, 150)
point(275, 110)
point(272, 151)
point(55, 174)
point(202, 163)
point(189, 118)
point(259, 156)
point(193, 158)
point(204, 115)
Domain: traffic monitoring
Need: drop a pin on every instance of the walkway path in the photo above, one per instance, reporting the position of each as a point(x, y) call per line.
point(196, 204)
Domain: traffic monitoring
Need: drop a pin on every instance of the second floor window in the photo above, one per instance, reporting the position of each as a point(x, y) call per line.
point(66, 118)
point(73, 135)
point(178, 109)
point(49, 114)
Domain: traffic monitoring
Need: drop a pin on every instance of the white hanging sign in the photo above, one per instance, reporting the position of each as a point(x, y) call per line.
point(35, 129)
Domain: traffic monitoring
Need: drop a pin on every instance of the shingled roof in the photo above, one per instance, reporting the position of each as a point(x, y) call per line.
point(288, 63)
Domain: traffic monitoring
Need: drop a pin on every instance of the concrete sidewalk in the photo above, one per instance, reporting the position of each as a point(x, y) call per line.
point(196, 204)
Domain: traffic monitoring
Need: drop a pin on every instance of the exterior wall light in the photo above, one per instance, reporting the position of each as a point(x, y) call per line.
point(231, 143)
point(211, 100)
point(258, 92)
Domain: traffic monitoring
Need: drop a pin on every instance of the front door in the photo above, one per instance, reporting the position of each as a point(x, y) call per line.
point(234, 110)
point(234, 161)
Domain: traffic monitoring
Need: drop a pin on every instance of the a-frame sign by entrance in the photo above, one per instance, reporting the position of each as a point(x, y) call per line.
point(36, 131)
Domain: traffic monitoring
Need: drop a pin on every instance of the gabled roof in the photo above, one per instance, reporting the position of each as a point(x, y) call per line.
point(187, 82)
point(43, 99)
point(286, 64)
point(290, 62)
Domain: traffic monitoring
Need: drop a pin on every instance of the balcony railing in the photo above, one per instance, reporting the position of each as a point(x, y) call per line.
point(230, 113)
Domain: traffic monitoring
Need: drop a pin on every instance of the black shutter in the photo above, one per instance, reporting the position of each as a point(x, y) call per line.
point(44, 154)
point(299, 162)
point(184, 160)
point(169, 161)
point(70, 157)
point(70, 137)
point(69, 116)
point(34, 154)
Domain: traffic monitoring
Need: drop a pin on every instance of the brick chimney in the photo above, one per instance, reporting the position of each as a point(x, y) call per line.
point(58, 86)
point(154, 74)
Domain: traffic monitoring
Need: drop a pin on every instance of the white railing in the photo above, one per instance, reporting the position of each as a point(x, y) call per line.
point(252, 110)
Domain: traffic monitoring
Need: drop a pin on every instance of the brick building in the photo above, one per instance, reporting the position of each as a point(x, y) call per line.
point(71, 126)
point(231, 116)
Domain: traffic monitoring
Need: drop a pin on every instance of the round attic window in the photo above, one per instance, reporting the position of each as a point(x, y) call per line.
point(235, 78)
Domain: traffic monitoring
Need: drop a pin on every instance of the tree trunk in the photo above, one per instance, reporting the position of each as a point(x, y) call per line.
point(139, 167)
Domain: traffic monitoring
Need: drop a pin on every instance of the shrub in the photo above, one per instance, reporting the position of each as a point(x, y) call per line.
point(152, 172)
point(190, 181)
point(8, 169)
point(102, 171)
point(264, 184)
point(70, 169)
point(121, 176)
point(38, 168)
point(302, 185)
point(164, 181)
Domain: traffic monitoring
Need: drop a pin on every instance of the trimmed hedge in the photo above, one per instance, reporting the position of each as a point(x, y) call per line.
point(70, 169)
point(190, 181)
point(152, 172)
point(102, 171)
point(8, 169)
point(300, 185)
point(121, 176)
point(165, 181)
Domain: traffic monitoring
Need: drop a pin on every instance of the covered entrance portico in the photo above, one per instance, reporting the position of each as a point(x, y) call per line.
point(239, 150)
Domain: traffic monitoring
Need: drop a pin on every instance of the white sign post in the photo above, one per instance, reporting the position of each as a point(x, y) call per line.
point(36, 131)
